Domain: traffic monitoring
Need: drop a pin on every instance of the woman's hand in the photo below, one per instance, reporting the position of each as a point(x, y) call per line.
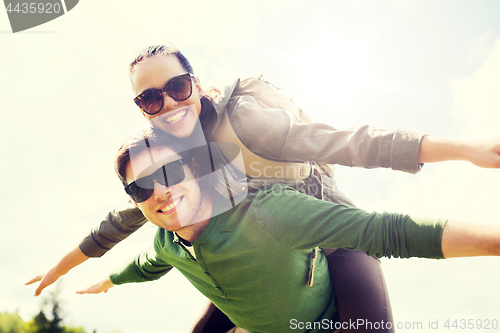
point(99, 287)
point(46, 280)
point(68, 262)
point(483, 153)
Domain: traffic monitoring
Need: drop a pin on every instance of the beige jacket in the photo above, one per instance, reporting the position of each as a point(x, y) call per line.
point(275, 132)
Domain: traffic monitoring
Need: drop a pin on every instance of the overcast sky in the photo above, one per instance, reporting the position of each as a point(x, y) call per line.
point(66, 103)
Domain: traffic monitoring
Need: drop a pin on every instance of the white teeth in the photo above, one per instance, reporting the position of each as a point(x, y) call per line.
point(176, 117)
point(172, 205)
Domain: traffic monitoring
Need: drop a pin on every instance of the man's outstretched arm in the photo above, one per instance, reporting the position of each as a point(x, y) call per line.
point(147, 266)
point(462, 239)
point(99, 287)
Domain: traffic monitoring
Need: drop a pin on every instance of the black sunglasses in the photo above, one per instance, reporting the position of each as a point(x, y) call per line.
point(179, 88)
point(169, 174)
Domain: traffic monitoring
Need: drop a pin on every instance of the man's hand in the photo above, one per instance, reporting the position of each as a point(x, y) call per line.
point(99, 287)
point(483, 153)
point(47, 279)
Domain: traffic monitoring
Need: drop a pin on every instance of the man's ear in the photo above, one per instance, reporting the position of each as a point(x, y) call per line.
point(135, 203)
point(195, 168)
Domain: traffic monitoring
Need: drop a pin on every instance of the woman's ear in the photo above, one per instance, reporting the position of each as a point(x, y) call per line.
point(198, 85)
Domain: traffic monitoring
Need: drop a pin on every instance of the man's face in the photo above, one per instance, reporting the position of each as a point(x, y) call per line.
point(176, 118)
point(171, 208)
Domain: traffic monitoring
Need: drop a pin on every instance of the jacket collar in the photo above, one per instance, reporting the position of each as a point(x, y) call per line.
point(227, 91)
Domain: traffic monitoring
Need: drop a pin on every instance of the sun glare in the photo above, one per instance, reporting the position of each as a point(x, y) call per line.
point(344, 75)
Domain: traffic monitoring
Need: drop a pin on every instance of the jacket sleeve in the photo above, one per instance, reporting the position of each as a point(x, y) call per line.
point(276, 134)
point(147, 266)
point(300, 222)
point(116, 226)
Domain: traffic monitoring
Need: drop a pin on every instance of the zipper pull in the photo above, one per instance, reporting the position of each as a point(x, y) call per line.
point(314, 257)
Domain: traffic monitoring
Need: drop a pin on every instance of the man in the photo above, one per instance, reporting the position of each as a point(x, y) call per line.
point(253, 261)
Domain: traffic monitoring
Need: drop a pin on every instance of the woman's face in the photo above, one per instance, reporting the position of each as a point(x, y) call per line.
point(176, 118)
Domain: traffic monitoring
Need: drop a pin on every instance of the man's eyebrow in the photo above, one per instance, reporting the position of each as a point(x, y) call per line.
point(155, 166)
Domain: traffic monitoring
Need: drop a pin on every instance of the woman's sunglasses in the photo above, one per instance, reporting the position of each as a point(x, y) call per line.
point(169, 174)
point(179, 88)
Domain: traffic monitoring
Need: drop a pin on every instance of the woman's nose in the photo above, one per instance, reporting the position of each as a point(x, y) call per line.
point(168, 102)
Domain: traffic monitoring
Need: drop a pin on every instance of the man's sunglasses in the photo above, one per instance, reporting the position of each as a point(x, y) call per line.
point(169, 174)
point(179, 88)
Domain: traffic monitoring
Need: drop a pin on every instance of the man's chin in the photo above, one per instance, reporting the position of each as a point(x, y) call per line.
point(159, 221)
point(170, 227)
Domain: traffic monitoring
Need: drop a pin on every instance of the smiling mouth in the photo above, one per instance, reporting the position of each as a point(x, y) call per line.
point(171, 207)
point(175, 118)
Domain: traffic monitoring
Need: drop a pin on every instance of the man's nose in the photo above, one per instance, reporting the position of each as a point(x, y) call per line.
point(160, 191)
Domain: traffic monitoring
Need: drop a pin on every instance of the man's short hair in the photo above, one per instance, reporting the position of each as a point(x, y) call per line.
point(150, 138)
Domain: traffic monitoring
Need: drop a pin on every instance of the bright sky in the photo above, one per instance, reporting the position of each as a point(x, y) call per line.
point(66, 104)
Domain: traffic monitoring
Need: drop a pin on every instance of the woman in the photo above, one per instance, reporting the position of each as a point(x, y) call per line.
point(171, 98)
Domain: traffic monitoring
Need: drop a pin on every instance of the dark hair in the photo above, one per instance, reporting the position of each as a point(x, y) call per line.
point(212, 93)
point(122, 157)
point(149, 138)
point(156, 50)
point(208, 97)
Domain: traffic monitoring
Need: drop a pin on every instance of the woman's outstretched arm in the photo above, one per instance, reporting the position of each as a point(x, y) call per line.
point(483, 153)
point(69, 261)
